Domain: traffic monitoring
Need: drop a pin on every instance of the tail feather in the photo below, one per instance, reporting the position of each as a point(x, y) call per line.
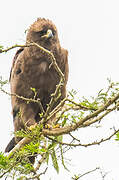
point(10, 145)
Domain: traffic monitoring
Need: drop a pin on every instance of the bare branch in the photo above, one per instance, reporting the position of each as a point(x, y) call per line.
point(40, 162)
point(85, 145)
point(38, 175)
point(89, 172)
point(12, 47)
point(24, 98)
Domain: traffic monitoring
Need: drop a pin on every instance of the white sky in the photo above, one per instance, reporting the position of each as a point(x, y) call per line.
point(90, 32)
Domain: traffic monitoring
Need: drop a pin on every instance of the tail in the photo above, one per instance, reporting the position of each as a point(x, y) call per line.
point(11, 145)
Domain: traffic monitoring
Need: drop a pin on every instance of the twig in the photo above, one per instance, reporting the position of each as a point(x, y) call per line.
point(6, 172)
point(12, 47)
point(89, 172)
point(98, 119)
point(24, 98)
point(38, 175)
point(80, 106)
point(40, 162)
point(52, 101)
point(52, 57)
point(43, 49)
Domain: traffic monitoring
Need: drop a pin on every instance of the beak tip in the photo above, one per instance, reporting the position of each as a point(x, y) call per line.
point(49, 33)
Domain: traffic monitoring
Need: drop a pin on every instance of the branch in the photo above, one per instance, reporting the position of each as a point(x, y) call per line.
point(12, 47)
point(25, 99)
point(98, 119)
point(53, 100)
point(85, 145)
point(89, 172)
point(80, 106)
point(44, 50)
point(27, 140)
point(54, 63)
point(40, 162)
point(38, 175)
point(70, 128)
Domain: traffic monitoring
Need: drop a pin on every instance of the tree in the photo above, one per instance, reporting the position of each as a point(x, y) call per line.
point(48, 141)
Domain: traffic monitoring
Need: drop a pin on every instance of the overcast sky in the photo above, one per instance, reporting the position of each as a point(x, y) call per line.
point(89, 30)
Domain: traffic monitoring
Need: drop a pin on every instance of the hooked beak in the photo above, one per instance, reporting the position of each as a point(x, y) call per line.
point(48, 35)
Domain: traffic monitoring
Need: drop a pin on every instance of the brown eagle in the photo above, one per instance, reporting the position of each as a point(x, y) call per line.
point(30, 70)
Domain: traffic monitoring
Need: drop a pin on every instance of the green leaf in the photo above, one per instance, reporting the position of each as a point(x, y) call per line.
point(54, 161)
point(3, 82)
point(3, 160)
point(34, 90)
point(59, 138)
point(117, 136)
point(47, 158)
point(1, 48)
point(62, 157)
point(64, 122)
point(32, 147)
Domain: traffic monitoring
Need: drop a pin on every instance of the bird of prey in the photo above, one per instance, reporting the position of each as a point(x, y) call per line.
point(30, 70)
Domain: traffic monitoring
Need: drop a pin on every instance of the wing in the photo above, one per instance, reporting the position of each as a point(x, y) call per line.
point(65, 69)
point(14, 59)
point(65, 61)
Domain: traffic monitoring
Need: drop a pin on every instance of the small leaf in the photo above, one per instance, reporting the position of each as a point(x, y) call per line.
point(117, 136)
point(60, 138)
point(34, 91)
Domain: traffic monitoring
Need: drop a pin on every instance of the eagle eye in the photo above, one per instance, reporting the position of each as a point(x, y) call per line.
point(42, 33)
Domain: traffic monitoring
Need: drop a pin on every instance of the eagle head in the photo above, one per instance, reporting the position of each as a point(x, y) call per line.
point(43, 32)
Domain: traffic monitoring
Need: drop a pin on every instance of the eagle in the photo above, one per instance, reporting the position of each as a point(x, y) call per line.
point(31, 72)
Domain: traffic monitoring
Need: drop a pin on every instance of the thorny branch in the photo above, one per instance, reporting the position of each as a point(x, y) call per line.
point(44, 50)
point(85, 145)
point(95, 115)
point(24, 98)
point(86, 121)
point(69, 128)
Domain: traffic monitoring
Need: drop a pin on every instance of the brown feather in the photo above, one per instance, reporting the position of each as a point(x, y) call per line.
point(30, 69)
